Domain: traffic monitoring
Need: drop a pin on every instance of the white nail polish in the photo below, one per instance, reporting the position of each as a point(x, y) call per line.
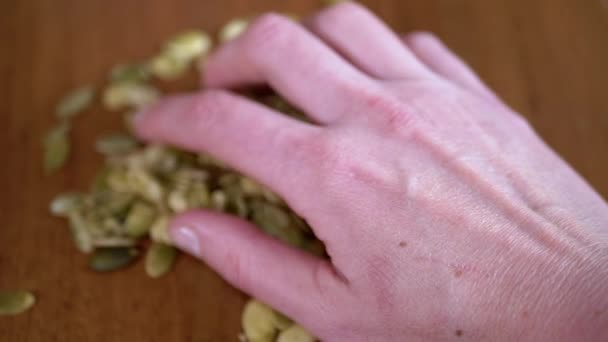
point(186, 239)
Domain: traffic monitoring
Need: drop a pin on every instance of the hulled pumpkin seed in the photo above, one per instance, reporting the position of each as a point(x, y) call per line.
point(112, 259)
point(75, 102)
point(159, 259)
point(233, 29)
point(160, 230)
point(80, 232)
point(188, 46)
point(116, 144)
point(113, 241)
point(56, 147)
point(140, 219)
point(259, 322)
point(13, 302)
point(132, 72)
point(132, 95)
point(168, 68)
point(295, 333)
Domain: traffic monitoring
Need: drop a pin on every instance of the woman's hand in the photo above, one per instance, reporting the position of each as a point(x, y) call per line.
point(445, 215)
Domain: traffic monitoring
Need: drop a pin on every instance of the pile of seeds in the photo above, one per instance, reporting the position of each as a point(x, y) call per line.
point(132, 199)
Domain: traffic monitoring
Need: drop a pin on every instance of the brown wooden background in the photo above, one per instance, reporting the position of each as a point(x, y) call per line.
point(547, 58)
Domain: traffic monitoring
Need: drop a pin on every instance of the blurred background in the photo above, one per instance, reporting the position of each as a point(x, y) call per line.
point(546, 58)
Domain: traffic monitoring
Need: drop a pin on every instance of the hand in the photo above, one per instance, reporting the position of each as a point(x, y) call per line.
point(444, 214)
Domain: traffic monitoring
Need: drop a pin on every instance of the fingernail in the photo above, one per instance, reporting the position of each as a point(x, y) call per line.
point(186, 239)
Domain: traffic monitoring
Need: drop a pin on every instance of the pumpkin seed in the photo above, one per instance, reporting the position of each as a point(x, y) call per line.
point(140, 219)
point(132, 72)
point(113, 241)
point(177, 201)
point(160, 231)
point(233, 29)
point(129, 95)
point(167, 68)
point(75, 102)
point(62, 204)
point(112, 259)
point(13, 302)
point(219, 200)
point(295, 333)
point(56, 148)
point(188, 46)
point(116, 144)
point(159, 259)
point(80, 232)
point(259, 322)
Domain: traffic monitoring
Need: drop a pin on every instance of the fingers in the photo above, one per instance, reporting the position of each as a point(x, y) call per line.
point(292, 281)
point(432, 52)
point(277, 51)
point(366, 41)
point(268, 146)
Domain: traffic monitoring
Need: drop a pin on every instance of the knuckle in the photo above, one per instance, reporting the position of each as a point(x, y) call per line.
point(268, 31)
point(206, 108)
point(347, 8)
point(422, 37)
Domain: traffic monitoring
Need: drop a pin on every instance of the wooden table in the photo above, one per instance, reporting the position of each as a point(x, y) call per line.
point(547, 58)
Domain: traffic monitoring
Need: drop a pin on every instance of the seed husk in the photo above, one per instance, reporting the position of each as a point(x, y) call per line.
point(116, 144)
point(112, 259)
point(259, 322)
point(295, 333)
point(140, 219)
point(14, 302)
point(75, 102)
point(159, 259)
point(56, 147)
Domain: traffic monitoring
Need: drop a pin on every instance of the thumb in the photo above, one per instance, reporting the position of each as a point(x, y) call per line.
point(290, 280)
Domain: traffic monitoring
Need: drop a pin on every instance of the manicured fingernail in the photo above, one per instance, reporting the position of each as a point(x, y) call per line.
point(186, 239)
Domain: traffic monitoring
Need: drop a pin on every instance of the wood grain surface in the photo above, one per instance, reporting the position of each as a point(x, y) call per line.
point(546, 58)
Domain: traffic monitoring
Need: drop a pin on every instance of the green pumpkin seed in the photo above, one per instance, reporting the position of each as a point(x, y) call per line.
point(56, 148)
point(133, 72)
point(13, 302)
point(112, 259)
point(140, 219)
point(159, 259)
point(116, 144)
point(219, 200)
point(188, 46)
point(259, 322)
point(62, 204)
point(113, 241)
point(233, 29)
point(75, 102)
point(167, 68)
point(129, 95)
point(80, 232)
point(160, 230)
point(295, 333)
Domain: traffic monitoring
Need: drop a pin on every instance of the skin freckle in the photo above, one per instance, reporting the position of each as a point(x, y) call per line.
point(458, 333)
point(402, 244)
point(458, 273)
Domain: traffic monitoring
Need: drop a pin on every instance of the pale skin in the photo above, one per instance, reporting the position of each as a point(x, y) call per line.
point(446, 217)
